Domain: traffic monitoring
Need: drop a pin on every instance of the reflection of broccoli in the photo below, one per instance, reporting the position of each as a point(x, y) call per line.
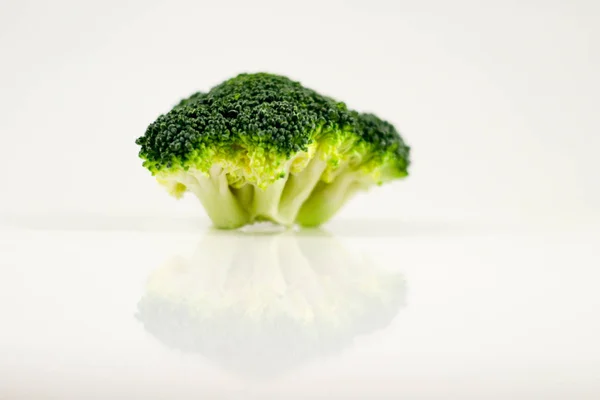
point(273, 302)
point(263, 147)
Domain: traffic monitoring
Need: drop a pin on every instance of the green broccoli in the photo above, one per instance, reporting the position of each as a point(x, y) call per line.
point(261, 147)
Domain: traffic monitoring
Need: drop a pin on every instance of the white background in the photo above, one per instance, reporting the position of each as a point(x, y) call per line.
point(498, 99)
point(496, 228)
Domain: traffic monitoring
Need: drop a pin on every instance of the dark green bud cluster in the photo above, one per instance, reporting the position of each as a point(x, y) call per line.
point(257, 112)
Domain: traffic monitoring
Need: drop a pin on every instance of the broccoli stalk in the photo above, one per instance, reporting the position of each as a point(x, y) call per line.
point(213, 191)
point(328, 198)
point(262, 147)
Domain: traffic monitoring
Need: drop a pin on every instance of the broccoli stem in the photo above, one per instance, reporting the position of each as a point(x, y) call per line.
point(299, 187)
point(303, 198)
point(215, 195)
point(265, 204)
point(328, 198)
point(245, 195)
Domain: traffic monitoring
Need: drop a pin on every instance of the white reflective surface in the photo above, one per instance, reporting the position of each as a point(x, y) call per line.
point(122, 308)
point(260, 305)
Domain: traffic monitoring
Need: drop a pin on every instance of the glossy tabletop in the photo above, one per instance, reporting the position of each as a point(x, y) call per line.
point(164, 308)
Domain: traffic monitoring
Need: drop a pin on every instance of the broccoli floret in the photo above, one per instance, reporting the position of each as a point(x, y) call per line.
point(263, 147)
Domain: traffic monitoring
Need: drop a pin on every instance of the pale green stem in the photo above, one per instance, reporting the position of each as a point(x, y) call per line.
point(221, 205)
point(328, 198)
point(245, 196)
point(266, 201)
point(299, 188)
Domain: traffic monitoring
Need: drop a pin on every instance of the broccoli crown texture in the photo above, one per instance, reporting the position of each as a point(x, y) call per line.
point(259, 146)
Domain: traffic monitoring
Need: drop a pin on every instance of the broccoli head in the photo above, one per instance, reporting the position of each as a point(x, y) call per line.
point(261, 147)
